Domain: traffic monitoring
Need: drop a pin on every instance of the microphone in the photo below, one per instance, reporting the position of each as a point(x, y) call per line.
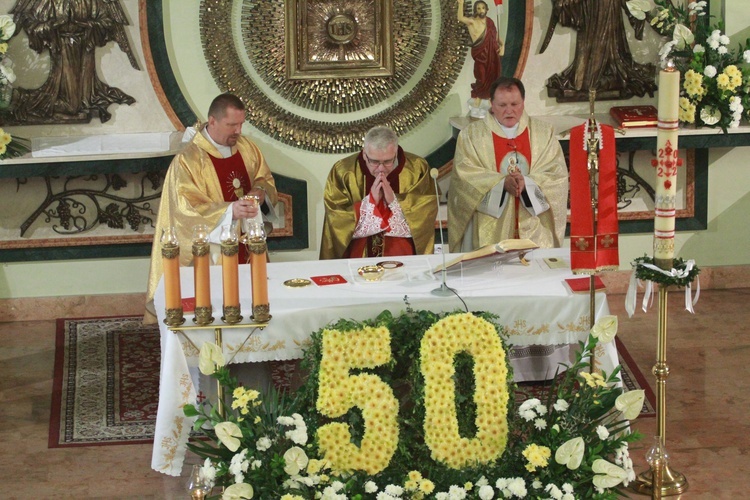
point(443, 290)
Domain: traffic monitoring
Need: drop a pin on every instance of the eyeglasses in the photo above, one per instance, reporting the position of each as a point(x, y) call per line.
point(377, 163)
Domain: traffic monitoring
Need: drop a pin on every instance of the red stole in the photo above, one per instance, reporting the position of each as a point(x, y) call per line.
point(513, 154)
point(591, 252)
point(234, 182)
point(379, 245)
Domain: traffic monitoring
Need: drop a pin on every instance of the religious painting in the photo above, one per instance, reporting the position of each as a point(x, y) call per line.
point(335, 39)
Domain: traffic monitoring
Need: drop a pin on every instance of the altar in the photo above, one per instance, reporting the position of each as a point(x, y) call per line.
point(534, 306)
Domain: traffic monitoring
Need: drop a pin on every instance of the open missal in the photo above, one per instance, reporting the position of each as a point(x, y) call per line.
point(505, 248)
point(634, 116)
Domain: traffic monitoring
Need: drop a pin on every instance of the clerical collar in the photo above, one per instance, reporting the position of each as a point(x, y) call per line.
point(224, 151)
point(510, 132)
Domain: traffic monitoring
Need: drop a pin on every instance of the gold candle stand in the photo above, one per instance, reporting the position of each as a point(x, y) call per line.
point(672, 482)
point(218, 339)
point(170, 253)
point(259, 278)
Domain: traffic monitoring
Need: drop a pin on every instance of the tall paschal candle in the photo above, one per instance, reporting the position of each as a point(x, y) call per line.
point(666, 163)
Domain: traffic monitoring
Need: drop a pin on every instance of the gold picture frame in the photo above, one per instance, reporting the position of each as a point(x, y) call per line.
point(335, 39)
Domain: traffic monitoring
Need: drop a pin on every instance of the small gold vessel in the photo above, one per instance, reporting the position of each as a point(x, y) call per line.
point(371, 273)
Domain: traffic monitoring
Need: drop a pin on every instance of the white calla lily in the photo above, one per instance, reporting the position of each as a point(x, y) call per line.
point(211, 356)
point(570, 453)
point(630, 403)
point(238, 491)
point(7, 27)
point(608, 475)
point(605, 329)
point(295, 460)
point(638, 8)
point(228, 433)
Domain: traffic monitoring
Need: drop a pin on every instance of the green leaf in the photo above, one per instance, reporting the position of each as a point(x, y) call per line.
point(190, 411)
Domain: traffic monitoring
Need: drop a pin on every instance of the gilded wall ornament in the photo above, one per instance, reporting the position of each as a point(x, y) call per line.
point(272, 97)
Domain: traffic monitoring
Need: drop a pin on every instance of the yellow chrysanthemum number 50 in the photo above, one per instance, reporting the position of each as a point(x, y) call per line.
point(339, 391)
point(440, 345)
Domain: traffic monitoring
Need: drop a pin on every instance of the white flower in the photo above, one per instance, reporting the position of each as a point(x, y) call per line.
point(238, 491)
point(527, 415)
point(710, 115)
point(746, 56)
point(561, 405)
point(238, 466)
point(295, 460)
point(482, 481)
point(530, 404)
point(486, 492)
point(713, 42)
point(394, 490)
point(263, 443)
point(570, 453)
point(666, 49)
point(696, 8)
point(210, 357)
point(228, 433)
point(567, 488)
point(456, 493)
point(605, 329)
point(256, 465)
point(724, 40)
point(537, 484)
point(722, 50)
point(441, 496)
point(630, 403)
point(698, 49)
point(638, 8)
point(287, 421)
point(384, 496)
point(517, 486)
point(709, 71)
point(501, 483)
point(735, 104)
point(553, 491)
point(6, 72)
point(370, 487)
point(602, 432)
point(682, 36)
point(208, 472)
point(540, 424)
point(7, 27)
point(608, 475)
point(299, 436)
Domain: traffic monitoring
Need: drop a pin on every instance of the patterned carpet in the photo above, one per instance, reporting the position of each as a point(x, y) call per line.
point(106, 382)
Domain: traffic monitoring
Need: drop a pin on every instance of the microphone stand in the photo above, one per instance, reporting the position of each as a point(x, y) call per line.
point(443, 290)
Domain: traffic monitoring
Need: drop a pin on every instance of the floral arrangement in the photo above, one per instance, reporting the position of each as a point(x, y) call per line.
point(9, 147)
point(683, 272)
point(715, 86)
point(365, 424)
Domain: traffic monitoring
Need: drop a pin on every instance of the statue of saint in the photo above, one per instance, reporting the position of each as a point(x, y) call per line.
point(602, 60)
point(71, 30)
point(486, 48)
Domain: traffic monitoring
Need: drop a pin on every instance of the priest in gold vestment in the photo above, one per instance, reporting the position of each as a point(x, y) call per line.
point(206, 183)
point(379, 202)
point(509, 177)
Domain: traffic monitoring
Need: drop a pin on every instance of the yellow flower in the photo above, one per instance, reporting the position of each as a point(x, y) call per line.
point(415, 475)
point(687, 110)
point(3, 149)
point(722, 81)
point(411, 485)
point(426, 486)
point(537, 456)
point(3, 47)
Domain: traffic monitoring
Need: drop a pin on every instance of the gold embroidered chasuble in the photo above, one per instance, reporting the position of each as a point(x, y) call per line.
point(346, 186)
point(475, 174)
point(192, 194)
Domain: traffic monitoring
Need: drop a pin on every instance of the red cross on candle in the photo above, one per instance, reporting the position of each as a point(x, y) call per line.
point(200, 397)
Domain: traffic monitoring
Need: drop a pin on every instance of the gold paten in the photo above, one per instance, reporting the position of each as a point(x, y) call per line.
point(297, 282)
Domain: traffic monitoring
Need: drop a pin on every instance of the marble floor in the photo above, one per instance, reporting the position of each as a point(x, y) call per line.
point(708, 430)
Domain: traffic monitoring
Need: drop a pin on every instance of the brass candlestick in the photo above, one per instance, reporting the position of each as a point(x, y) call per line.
point(201, 272)
point(170, 255)
point(230, 275)
point(672, 482)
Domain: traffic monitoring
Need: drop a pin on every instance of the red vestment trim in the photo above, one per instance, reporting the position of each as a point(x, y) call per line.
point(591, 252)
point(228, 170)
point(519, 146)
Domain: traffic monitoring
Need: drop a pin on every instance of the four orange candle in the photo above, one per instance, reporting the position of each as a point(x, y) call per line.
point(170, 252)
point(201, 266)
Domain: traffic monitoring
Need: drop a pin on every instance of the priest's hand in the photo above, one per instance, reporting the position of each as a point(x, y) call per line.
point(382, 189)
point(244, 209)
point(515, 183)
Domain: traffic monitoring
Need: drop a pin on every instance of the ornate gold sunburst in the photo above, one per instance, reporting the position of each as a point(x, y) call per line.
point(263, 27)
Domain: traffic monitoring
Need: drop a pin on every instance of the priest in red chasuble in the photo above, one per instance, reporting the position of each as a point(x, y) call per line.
point(509, 177)
point(379, 202)
point(206, 183)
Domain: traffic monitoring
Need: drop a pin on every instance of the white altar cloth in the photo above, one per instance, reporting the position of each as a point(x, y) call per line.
point(533, 304)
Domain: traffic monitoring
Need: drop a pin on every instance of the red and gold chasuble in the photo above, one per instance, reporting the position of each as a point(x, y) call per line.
point(592, 251)
point(380, 245)
point(513, 155)
point(235, 183)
